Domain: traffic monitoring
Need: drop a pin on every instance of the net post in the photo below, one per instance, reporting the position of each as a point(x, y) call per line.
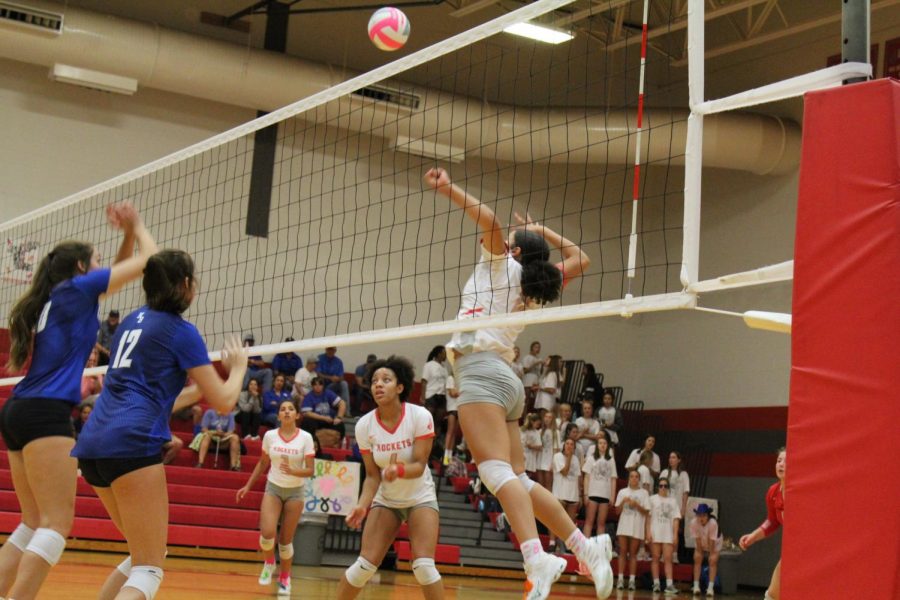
point(693, 160)
point(855, 33)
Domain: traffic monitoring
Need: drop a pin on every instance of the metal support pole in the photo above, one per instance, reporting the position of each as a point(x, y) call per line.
point(855, 33)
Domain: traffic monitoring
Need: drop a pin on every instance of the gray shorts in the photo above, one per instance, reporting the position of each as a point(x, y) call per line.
point(484, 377)
point(403, 513)
point(284, 494)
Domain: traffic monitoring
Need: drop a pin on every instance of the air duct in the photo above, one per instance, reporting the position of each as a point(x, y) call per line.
point(187, 64)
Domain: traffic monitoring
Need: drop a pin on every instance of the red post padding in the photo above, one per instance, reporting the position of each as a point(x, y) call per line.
point(842, 514)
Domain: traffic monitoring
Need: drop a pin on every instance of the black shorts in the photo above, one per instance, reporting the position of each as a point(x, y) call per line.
point(23, 420)
point(101, 472)
point(598, 499)
point(436, 402)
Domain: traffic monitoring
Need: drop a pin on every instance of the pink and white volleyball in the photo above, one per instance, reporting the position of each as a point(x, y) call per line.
point(389, 28)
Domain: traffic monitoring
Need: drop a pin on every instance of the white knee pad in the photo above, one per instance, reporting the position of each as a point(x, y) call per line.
point(495, 474)
point(48, 544)
point(425, 571)
point(266, 543)
point(285, 551)
point(527, 481)
point(145, 579)
point(125, 567)
point(21, 536)
point(360, 572)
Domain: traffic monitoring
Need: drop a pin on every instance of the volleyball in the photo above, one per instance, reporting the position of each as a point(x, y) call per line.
point(388, 28)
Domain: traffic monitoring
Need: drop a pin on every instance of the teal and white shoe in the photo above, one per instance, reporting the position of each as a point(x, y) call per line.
point(265, 576)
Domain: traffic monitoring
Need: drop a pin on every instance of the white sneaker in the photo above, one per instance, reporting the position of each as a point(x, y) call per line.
point(696, 590)
point(595, 564)
point(620, 585)
point(632, 585)
point(710, 592)
point(284, 588)
point(656, 587)
point(542, 574)
point(671, 590)
point(265, 576)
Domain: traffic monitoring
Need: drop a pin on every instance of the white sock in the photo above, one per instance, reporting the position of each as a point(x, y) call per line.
point(621, 577)
point(696, 583)
point(631, 578)
point(531, 550)
point(576, 542)
point(669, 583)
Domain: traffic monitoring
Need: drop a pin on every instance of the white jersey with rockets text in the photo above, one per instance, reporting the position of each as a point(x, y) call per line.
point(293, 451)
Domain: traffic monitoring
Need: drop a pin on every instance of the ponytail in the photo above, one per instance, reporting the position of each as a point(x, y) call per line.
point(61, 264)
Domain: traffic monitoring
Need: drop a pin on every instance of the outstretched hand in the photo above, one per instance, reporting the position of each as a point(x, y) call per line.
point(438, 179)
point(234, 354)
point(122, 215)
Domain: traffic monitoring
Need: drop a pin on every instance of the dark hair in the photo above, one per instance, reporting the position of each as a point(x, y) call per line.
point(164, 278)
point(608, 454)
point(316, 380)
point(569, 428)
point(541, 281)
point(554, 364)
point(532, 246)
point(680, 467)
point(434, 353)
point(61, 264)
point(401, 368)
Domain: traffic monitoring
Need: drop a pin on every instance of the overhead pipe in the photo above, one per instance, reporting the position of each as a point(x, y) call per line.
point(192, 65)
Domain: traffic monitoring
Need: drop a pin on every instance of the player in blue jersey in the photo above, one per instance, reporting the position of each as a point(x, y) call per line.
point(55, 324)
point(153, 352)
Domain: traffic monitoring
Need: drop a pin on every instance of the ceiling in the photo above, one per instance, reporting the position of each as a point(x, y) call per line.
point(751, 43)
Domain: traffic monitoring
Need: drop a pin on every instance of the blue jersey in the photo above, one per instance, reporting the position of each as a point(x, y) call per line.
point(64, 337)
point(150, 355)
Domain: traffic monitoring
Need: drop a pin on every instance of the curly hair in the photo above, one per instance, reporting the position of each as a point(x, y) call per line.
point(402, 369)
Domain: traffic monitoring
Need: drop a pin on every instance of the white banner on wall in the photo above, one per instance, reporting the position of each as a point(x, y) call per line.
point(333, 489)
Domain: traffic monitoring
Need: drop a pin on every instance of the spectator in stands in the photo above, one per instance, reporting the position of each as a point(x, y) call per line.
point(548, 385)
point(646, 461)
point(634, 458)
point(599, 487)
point(572, 433)
point(256, 367)
point(395, 440)
point(84, 411)
point(774, 520)
point(303, 379)
point(590, 387)
point(531, 442)
point(567, 479)
point(218, 427)
point(588, 427)
point(193, 413)
point(707, 541)
point(323, 410)
point(434, 384)
point(633, 506)
point(319, 453)
point(679, 489)
point(662, 534)
point(516, 364)
point(452, 419)
point(291, 454)
point(271, 401)
point(331, 369)
point(610, 419)
point(361, 395)
point(564, 416)
point(91, 385)
point(287, 364)
point(104, 337)
point(249, 408)
point(533, 366)
point(549, 446)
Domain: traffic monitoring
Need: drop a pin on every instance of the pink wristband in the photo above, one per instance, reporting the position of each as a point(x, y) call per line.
point(401, 470)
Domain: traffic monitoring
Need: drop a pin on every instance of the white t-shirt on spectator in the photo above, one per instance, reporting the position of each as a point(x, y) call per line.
point(532, 366)
point(396, 446)
point(704, 533)
point(547, 400)
point(452, 403)
point(634, 459)
point(678, 485)
point(302, 380)
point(293, 451)
point(663, 512)
point(600, 471)
point(646, 478)
point(632, 521)
point(589, 426)
point(546, 461)
point(532, 437)
point(435, 375)
point(608, 415)
point(565, 487)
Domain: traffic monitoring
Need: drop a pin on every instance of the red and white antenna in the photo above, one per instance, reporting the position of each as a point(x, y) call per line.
point(636, 188)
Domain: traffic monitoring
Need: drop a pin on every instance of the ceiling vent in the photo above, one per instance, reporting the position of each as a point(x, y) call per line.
point(389, 96)
point(17, 15)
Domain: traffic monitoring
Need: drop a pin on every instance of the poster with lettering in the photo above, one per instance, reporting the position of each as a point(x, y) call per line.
point(333, 489)
point(20, 258)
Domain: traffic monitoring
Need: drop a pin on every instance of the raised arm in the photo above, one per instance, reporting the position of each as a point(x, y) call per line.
point(438, 180)
point(575, 261)
point(127, 267)
point(223, 395)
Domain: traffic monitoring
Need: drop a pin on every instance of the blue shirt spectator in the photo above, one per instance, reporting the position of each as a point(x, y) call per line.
point(287, 363)
point(213, 421)
point(331, 369)
point(324, 403)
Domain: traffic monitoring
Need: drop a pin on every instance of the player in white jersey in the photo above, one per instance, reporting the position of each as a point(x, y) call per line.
point(510, 278)
point(395, 440)
point(291, 452)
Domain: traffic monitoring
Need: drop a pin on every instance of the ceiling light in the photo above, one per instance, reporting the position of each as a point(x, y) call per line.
point(539, 33)
point(96, 80)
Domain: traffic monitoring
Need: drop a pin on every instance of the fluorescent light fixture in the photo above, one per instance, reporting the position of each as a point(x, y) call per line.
point(95, 80)
point(429, 149)
point(539, 33)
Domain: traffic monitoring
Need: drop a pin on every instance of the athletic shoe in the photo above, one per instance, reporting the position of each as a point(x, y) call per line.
point(671, 590)
point(541, 574)
point(620, 585)
point(632, 585)
point(656, 588)
point(284, 587)
point(696, 590)
point(594, 563)
point(710, 592)
point(446, 461)
point(265, 576)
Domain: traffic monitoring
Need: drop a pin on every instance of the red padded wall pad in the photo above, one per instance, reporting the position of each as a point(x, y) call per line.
point(842, 513)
